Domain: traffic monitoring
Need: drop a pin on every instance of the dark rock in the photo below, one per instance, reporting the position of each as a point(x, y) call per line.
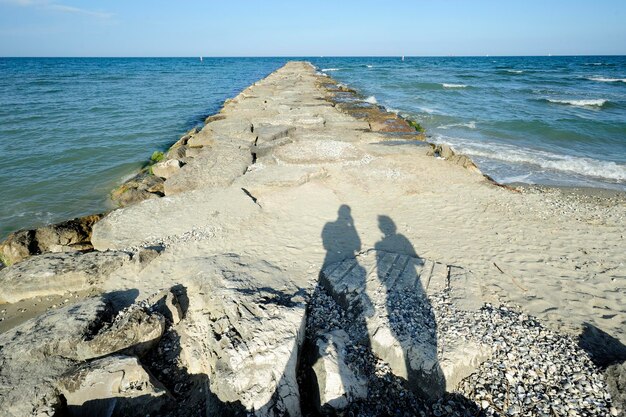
point(142, 186)
point(71, 235)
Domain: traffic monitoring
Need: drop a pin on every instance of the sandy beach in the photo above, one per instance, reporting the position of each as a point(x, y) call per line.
point(286, 158)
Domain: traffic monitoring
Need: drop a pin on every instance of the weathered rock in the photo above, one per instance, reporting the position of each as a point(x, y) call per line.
point(70, 235)
point(387, 294)
point(337, 384)
point(167, 168)
point(167, 304)
point(131, 227)
point(57, 273)
point(231, 128)
point(269, 133)
point(446, 152)
point(37, 352)
point(143, 186)
point(243, 329)
point(318, 152)
point(216, 167)
point(113, 386)
point(134, 331)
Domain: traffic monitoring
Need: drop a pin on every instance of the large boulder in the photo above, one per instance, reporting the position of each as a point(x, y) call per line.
point(39, 351)
point(57, 273)
point(35, 354)
point(70, 235)
point(243, 330)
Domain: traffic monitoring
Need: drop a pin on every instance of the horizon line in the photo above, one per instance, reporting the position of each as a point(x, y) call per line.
point(311, 56)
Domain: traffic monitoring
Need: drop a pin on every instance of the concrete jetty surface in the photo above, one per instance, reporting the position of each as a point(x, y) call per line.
point(309, 253)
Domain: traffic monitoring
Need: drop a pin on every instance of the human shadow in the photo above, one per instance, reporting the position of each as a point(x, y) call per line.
point(371, 335)
point(409, 312)
point(340, 238)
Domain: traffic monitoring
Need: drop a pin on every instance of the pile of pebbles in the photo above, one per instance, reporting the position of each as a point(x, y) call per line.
point(533, 371)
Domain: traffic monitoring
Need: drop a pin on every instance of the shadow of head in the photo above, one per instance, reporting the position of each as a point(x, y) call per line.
point(386, 225)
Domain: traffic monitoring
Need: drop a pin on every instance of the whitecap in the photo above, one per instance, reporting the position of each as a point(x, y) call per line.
point(453, 85)
point(330, 69)
point(470, 125)
point(546, 160)
point(607, 80)
point(512, 71)
point(580, 103)
point(371, 100)
point(369, 66)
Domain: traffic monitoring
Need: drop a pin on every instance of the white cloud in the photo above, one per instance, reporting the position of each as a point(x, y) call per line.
point(63, 8)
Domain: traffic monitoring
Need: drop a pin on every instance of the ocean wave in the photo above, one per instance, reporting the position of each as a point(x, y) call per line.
point(587, 167)
point(607, 80)
point(580, 103)
point(470, 125)
point(369, 66)
point(453, 85)
point(512, 71)
point(371, 100)
point(330, 69)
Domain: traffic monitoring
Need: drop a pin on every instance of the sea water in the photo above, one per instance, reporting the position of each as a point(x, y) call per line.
point(71, 129)
point(545, 120)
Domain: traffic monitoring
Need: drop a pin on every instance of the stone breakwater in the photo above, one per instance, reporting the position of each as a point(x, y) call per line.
point(306, 253)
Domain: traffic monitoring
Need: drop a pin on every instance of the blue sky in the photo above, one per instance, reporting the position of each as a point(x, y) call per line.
point(312, 28)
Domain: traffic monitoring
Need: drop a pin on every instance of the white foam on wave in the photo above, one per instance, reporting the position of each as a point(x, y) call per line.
point(445, 85)
point(607, 80)
point(580, 103)
point(512, 71)
point(371, 100)
point(330, 69)
point(369, 66)
point(470, 125)
point(587, 167)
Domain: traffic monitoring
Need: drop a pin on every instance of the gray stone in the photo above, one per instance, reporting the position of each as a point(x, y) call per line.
point(135, 331)
point(167, 304)
point(218, 166)
point(167, 168)
point(232, 128)
point(143, 186)
point(243, 329)
point(57, 273)
point(338, 385)
point(269, 133)
point(113, 386)
point(37, 352)
point(70, 235)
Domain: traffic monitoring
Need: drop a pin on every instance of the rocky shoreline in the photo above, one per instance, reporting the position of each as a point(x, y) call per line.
point(267, 264)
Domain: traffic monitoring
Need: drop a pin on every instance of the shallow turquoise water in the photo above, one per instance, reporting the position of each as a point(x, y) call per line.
point(72, 129)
